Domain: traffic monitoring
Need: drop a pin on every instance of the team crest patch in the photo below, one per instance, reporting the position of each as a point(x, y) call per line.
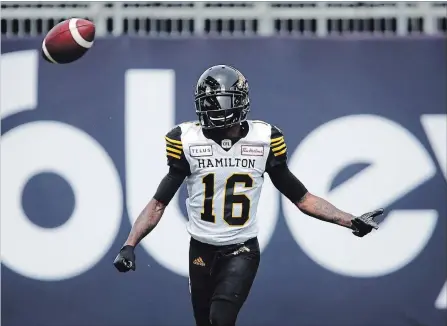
point(252, 150)
point(200, 150)
point(226, 143)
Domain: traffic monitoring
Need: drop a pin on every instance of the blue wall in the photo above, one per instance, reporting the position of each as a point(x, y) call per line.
point(379, 104)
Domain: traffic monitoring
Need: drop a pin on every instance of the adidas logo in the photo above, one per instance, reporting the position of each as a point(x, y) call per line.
point(198, 261)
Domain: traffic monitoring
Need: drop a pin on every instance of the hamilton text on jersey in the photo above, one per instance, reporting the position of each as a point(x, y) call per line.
point(226, 162)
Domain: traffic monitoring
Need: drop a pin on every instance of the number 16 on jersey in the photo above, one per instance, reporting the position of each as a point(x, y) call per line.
point(230, 198)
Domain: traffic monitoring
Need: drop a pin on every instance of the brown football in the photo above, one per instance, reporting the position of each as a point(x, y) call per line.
point(68, 41)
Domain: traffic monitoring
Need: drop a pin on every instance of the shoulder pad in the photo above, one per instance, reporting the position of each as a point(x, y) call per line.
point(174, 150)
point(278, 148)
point(174, 135)
point(276, 133)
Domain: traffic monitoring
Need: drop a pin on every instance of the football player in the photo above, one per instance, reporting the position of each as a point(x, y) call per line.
point(223, 158)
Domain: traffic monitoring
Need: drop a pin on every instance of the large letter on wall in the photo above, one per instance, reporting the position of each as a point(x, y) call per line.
point(50, 146)
point(398, 164)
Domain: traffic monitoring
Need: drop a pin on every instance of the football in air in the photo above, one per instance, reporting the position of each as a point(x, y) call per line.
point(68, 41)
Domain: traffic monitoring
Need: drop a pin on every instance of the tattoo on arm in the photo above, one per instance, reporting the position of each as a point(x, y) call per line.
point(146, 222)
point(323, 210)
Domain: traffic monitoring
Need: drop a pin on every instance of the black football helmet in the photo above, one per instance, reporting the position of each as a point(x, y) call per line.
point(221, 97)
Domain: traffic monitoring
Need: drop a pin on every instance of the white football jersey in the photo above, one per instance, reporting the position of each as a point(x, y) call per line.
point(225, 179)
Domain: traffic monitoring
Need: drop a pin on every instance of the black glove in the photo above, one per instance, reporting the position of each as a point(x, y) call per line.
point(125, 261)
point(364, 224)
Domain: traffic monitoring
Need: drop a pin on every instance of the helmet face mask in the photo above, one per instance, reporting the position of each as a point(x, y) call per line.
point(221, 98)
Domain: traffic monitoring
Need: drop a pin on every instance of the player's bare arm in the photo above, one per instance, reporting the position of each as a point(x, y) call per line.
point(317, 207)
point(146, 222)
point(152, 213)
point(323, 210)
point(289, 185)
point(149, 218)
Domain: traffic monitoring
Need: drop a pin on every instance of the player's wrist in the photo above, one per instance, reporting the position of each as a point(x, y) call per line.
point(347, 222)
point(128, 247)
